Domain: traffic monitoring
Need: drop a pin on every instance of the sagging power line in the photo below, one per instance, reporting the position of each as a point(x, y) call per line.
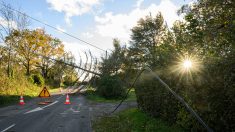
point(60, 61)
point(179, 98)
point(68, 34)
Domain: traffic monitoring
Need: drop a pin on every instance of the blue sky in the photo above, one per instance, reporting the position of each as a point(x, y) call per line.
point(95, 21)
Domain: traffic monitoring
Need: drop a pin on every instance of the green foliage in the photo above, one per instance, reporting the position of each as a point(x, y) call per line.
point(109, 84)
point(154, 99)
point(145, 37)
point(133, 120)
point(184, 118)
point(92, 95)
point(221, 102)
point(11, 88)
point(12, 99)
point(70, 76)
point(37, 79)
point(61, 73)
point(29, 51)
point(208, 36)
point(112, 63)
point(111, 87)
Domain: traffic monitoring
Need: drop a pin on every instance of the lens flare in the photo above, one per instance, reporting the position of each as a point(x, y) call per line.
point(187, 64)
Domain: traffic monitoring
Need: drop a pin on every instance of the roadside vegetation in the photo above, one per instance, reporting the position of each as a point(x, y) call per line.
point(25, 59)
point(132, 120)
point(11, 88)
point(203, 41)
point(92, 95)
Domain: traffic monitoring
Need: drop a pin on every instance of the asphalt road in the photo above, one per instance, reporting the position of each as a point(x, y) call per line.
point(53, 117)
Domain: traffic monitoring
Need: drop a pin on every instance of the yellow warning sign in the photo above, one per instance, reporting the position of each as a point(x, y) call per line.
point(44, 93)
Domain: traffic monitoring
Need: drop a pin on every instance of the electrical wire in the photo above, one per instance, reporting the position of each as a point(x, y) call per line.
point(53, 27)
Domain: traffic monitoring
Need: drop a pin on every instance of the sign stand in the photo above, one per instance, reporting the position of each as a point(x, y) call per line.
point(44, 94)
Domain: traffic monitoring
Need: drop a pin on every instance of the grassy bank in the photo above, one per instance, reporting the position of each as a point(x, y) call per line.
point(132, 120)
point(54, 90)
point(93, 96)
point(12, 99)
point(12, 88)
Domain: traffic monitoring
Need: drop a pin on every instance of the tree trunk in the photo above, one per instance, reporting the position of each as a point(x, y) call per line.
point(27, 68)
point(9, 63)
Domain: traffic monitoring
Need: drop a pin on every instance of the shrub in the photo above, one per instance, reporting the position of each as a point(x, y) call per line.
point(37, 79)
point(155, 100)
point(111, 87)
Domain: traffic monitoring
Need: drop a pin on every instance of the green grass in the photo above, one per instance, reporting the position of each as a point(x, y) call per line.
point(29, 93)
point(11, 88)
point(12, 99)
point(132, 120)
point(131, 95)
point(54, 90)
point(93, 96)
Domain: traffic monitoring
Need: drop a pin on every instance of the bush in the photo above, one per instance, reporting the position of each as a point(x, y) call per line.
point(221, 101)
point(155, 100)
point(37, 79)
point(211, 94)
point(12, 87)
point(111, 87)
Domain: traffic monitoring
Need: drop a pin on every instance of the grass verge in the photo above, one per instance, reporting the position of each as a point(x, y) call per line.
point(132, 120)
point(93, 96)
point(54, 90)
point(11, 99)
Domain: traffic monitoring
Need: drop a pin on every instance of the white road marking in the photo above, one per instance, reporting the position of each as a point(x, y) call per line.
point(39, 108)
point(68, 111)
point(51, 104)
point(74, 110)
point(34, 110)
point(8, 128)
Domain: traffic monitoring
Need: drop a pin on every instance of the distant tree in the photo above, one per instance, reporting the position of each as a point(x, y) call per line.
point(26, 44)
point(145, 38)
point(112, 63)
point(110, 84)
point(52, 48)
point(10, 21)
point(61, 72)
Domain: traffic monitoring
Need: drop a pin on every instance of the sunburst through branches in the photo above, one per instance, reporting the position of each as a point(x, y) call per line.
point(187, 66)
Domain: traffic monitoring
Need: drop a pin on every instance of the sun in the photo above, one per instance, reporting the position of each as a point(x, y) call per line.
point(187, 64)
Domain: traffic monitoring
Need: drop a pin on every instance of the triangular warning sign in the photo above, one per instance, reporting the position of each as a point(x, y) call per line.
point(44, 93)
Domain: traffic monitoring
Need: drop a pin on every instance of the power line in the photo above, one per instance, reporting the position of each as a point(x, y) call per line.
point(61, 61)
point(54, 28)
point(180, 99)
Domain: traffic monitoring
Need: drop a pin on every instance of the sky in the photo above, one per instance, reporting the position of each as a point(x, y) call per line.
point(94, 21)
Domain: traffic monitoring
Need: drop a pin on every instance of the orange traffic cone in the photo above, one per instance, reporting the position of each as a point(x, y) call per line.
point(67, 100)
point(21, 100)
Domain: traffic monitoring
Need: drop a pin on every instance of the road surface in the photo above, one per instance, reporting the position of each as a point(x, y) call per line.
point(54, 117)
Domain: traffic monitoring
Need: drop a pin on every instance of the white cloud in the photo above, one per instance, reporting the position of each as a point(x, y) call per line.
point(40, 28)
point(139, 2)
point(87, 35)
point(78, 48)
point(2, 44)
point(119, 25)
point(72, 7)
point(59, 28)
point(4, 23)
